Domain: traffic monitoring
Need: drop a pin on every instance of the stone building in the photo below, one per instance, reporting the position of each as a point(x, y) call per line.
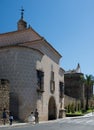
point(32, 67)
point(74, 87)
point(4, 95)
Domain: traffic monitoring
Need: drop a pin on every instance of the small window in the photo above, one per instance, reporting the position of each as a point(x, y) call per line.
point(61, 89)
point(40, 81)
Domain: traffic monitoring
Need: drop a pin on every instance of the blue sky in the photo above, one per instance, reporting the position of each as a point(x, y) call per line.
point(68, 25)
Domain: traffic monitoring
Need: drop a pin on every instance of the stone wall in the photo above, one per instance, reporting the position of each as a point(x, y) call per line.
point(19, 65)
point(73, 85)
point(69, 101)
point(4, 95)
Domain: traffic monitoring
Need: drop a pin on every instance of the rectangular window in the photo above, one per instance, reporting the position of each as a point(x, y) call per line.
point(61, 89)
point(40, 80)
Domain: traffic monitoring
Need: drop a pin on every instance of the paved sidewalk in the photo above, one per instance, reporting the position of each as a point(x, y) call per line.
point(22, 124)
point(89, 114)
point(13, 125)
point(86, 115)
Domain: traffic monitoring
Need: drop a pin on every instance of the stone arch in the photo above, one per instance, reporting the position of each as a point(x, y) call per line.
point(52, 110)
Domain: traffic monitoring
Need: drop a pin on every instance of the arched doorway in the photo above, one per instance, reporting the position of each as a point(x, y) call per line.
point(52, 109)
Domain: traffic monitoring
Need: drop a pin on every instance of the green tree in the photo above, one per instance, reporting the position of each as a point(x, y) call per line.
point(89, 81)
point(82, 83)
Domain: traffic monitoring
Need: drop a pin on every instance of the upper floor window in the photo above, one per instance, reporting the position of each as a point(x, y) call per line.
point(40, 81)
point(61, 89)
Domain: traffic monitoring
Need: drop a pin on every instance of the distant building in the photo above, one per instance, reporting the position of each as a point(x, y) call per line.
point(32, 68)
point(74, 86)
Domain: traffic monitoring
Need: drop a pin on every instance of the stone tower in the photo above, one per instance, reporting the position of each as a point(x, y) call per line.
point(21, 23)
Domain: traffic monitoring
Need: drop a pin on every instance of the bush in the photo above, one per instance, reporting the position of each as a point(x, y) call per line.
point(73, 114)
point(72, 108)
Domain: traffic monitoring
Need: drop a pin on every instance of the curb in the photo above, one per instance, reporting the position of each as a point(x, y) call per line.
point(13, 125)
